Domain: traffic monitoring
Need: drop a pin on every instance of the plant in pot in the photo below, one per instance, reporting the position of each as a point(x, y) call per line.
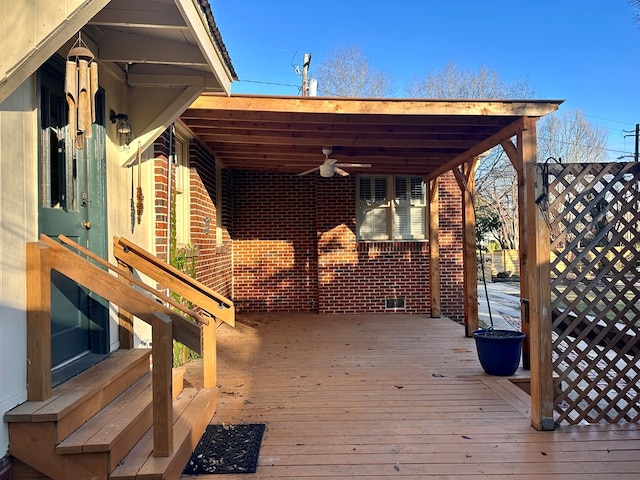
point(499, 351)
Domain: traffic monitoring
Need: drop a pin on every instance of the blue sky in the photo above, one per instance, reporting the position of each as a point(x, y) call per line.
point(584, 52)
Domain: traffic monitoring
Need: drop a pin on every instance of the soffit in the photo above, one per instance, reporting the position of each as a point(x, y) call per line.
point(162, 43)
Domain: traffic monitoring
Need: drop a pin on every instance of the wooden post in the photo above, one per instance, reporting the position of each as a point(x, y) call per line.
point(539, 296)
point(470, 261)
point(525, 153)
point(125, 319)
point(434, 250)
point(38, 296)
point(162, 355)
point(209, 359)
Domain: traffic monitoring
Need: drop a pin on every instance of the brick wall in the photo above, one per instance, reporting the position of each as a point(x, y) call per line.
point(289, 244)
point(358, 277)
point(161, 200)
point(213, 266)
point(295, 249)
point(451, 273)
point(274, 242)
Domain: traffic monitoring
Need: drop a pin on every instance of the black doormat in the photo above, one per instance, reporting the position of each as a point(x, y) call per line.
point(227, 449)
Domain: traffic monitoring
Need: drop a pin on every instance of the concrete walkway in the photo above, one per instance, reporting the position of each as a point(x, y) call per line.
point(505, 305)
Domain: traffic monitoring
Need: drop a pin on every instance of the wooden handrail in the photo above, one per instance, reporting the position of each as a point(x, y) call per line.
point(207, 299)
point(187, 311)
point(119, 293)
point(47, 255)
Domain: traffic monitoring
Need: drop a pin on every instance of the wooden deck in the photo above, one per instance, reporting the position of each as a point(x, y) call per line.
point(394, 396)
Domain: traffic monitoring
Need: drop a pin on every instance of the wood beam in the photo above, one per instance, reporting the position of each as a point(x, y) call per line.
point(362, 140)
point(538, 295)
point(434, 249)
point(377, 106)
point(470, 262)
point(481, 147)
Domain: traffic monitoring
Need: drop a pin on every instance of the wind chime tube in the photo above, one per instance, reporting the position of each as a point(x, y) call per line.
point(93, 77)
point(84, 102)
point(71, 89)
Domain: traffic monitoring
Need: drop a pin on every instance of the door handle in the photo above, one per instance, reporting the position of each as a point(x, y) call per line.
point(86, 224)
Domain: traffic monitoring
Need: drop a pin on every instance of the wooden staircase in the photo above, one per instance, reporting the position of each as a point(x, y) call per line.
point(98, 425)
point(123, 418)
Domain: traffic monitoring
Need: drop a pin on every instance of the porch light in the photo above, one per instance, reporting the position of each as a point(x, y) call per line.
point(123, 129)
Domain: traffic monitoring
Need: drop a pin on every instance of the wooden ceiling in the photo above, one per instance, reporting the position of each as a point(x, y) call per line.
point(395, 136)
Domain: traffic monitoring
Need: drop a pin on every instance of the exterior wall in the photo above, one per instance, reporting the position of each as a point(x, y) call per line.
point(25, 25)
point(213, 242)
point(214, 257)
point(19, 221)
point(295, 249)
point(274, 242)
point(357, 277)
point(451, 272)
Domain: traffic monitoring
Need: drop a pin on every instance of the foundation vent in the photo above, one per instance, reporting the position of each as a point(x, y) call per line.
point(395, 304)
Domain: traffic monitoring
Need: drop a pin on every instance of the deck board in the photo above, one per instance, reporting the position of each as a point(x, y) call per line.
point(393, 396)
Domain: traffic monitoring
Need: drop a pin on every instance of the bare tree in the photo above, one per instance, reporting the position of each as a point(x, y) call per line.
point(455, 82)
point(569, 136)
point(496, 194)
point(347, 72)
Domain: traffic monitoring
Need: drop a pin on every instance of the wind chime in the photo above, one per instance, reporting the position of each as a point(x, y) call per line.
point(80, 87)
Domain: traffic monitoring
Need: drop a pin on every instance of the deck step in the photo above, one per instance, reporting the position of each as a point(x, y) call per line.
point(192, 411)
point(77, 400)
point(123, 420)
point(115, 429)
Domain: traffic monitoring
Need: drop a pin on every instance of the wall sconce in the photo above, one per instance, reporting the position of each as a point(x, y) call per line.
point(123, 129)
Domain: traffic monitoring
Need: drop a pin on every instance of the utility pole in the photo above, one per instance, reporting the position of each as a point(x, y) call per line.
point(636, 134)
point(305, 71)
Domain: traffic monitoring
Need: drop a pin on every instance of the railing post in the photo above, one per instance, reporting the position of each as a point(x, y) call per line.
point(38, 296)
point(162, 355)
point(125, 319)
point(209, 359)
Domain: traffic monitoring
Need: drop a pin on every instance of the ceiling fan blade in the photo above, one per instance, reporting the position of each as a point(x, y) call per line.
point(356, 165)
point(309, 171)
point(340, 171)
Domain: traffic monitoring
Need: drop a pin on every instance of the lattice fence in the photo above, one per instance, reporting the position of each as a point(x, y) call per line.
point(593, 212)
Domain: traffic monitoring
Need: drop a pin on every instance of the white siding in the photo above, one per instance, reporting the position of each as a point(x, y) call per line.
point(18, 221)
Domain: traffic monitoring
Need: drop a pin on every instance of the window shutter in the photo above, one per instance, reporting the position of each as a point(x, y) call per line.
point(373, 209)
point(409, 216)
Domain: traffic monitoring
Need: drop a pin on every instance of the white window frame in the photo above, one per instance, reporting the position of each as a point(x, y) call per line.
point(379, 215)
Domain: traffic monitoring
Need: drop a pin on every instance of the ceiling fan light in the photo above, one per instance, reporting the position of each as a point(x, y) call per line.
point(326, 170)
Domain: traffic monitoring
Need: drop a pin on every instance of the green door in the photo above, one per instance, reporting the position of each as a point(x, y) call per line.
point(72, 202)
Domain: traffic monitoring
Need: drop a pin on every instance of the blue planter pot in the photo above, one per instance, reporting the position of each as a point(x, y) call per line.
point(499, 351)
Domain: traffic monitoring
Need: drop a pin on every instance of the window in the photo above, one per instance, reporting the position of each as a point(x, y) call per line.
point(391, 208)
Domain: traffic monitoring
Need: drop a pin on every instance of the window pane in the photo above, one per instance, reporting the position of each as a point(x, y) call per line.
point(401, 188)
point(374, 225)
point(417, 190)
point(409, 223)
point(381, 190)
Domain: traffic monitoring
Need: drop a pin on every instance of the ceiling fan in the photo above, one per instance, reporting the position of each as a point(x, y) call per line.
point(330, 165)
